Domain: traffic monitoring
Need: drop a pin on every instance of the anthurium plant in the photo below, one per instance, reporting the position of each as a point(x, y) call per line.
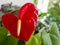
point(24, 24)
point(22, 29)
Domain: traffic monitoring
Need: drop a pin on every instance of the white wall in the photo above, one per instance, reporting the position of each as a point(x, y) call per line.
point(43, 5)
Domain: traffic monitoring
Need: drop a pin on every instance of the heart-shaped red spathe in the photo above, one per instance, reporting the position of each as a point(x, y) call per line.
point(28, 16)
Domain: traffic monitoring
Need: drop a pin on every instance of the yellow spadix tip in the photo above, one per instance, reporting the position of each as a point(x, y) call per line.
point(18, 27)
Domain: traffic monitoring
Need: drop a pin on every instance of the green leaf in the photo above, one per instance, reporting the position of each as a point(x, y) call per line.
point(35, 2)
point(55, 40)
point(3, 34)
point(10, 41)
point(33, 41)
point(46, 38)
point(42, 14)
point(54, 29)
point(39, 38)
point(54, 34)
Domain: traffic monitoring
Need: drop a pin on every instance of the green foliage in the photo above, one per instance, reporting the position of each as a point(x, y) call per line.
point(35, 2)
point(53, 37)
point(10, 41)
point(46, 38)
point(55, 40)
point(54, 34)
point(35, 39)
point(3, 34)
point(6, 40)
point(55, 11)
point(39, 38)
point(42, 14)
point(54, 30)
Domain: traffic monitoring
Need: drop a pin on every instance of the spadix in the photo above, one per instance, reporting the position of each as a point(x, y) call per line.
point(18, 27)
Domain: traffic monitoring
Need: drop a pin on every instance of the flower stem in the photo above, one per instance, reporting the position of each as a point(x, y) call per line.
point(20, 42)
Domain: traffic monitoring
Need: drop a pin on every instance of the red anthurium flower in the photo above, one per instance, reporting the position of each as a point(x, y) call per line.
point(22, 26)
